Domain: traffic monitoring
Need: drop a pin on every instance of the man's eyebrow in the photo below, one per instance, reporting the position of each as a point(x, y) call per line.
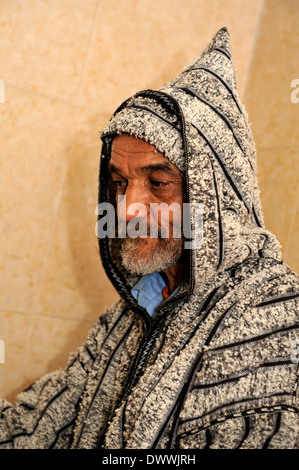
point(157, 167)
point(113, 169)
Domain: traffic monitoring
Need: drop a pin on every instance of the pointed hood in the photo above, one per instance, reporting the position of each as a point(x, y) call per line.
point(197, 121)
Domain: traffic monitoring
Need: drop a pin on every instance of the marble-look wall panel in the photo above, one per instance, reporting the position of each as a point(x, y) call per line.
point(278, 179)
point(35, 134)
point(143, 44)
point(44, 44)
point(275, 120)
point(273, 115)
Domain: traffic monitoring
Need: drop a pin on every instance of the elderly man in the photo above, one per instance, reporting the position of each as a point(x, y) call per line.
point(199, 350)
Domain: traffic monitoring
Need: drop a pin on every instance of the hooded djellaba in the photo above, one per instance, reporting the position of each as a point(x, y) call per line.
point(216, 367)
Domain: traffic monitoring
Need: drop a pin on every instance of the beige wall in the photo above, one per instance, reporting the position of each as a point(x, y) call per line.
point(66, 65)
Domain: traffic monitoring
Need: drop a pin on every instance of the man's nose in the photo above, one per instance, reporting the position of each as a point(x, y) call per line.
point(133, 204)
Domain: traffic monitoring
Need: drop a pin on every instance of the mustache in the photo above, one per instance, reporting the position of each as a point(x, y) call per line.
point(138, 225)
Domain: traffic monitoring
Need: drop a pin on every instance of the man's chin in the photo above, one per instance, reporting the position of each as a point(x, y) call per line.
point(142, 256)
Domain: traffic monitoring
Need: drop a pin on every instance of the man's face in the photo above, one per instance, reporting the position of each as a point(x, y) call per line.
point(146, 178)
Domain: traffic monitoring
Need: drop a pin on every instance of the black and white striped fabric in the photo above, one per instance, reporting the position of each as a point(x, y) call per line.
point(218, 366)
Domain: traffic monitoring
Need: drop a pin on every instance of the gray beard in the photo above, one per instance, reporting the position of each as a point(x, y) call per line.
point(164, 254)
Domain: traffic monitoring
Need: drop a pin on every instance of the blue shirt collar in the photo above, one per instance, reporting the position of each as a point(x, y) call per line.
point(148, 292)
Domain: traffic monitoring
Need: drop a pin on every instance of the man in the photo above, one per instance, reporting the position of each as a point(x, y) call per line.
point(199, 350)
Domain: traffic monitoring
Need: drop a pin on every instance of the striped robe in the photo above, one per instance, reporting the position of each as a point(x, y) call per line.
point(218, 366)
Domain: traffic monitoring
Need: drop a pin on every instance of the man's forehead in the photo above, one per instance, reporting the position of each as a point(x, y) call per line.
point(127, 148)
point(129, 144)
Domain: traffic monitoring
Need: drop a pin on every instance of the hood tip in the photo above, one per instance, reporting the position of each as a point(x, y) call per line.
point(221, 39)
point(223, 30)
point(222, 35)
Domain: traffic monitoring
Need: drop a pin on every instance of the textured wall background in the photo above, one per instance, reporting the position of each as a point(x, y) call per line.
point(66, 65)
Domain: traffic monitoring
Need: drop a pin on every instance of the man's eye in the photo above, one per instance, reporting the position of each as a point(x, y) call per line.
point(158, 184)
point(119, 184)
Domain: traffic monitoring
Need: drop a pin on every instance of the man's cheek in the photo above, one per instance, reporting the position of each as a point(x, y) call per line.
point(167, 217)
point(133, 210)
